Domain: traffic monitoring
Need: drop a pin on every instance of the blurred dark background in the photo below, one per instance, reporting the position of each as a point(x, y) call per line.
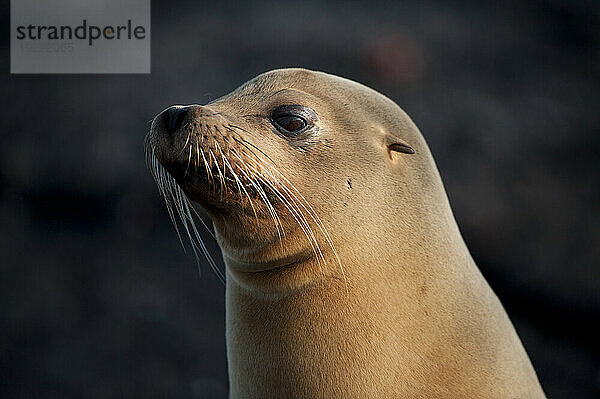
point(99, 300)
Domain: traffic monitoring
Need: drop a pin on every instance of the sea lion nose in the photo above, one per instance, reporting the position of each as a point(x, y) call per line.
point(174, 117)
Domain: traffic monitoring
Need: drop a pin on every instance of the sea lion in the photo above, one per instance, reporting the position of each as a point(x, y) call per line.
point(346, 273)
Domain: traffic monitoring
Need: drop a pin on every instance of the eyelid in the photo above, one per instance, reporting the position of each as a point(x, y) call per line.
point(295, 110)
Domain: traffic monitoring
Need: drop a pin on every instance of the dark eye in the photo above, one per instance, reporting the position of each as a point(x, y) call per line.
point(290, 123)
point(292, 120)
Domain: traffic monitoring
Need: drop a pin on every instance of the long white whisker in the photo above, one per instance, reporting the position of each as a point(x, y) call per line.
point(176, 200)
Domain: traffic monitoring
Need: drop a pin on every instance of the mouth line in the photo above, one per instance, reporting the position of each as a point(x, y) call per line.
point(222, 192)
point(211, 171)
point(216, 178)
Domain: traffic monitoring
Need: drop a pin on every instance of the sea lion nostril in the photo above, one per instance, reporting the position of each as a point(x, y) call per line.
point(174, 118)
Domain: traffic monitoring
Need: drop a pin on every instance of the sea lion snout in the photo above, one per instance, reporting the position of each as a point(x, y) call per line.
point(172, 119)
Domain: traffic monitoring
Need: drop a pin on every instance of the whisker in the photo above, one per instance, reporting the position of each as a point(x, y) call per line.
point(240, 185)
point(245, 141)
point(221, 178)
point(176, 200)
point(263, 196)
point(208, 171)
point(188, 163)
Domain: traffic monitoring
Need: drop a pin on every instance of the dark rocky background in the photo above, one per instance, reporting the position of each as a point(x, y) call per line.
point(98, 299)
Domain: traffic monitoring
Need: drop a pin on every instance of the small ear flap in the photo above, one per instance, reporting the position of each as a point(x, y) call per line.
point(397, 145)
point(401, 147)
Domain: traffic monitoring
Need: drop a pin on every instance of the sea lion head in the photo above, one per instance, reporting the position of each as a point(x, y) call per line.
point(294, 166)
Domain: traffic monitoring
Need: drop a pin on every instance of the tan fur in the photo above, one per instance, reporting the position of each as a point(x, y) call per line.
point(411, 316)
